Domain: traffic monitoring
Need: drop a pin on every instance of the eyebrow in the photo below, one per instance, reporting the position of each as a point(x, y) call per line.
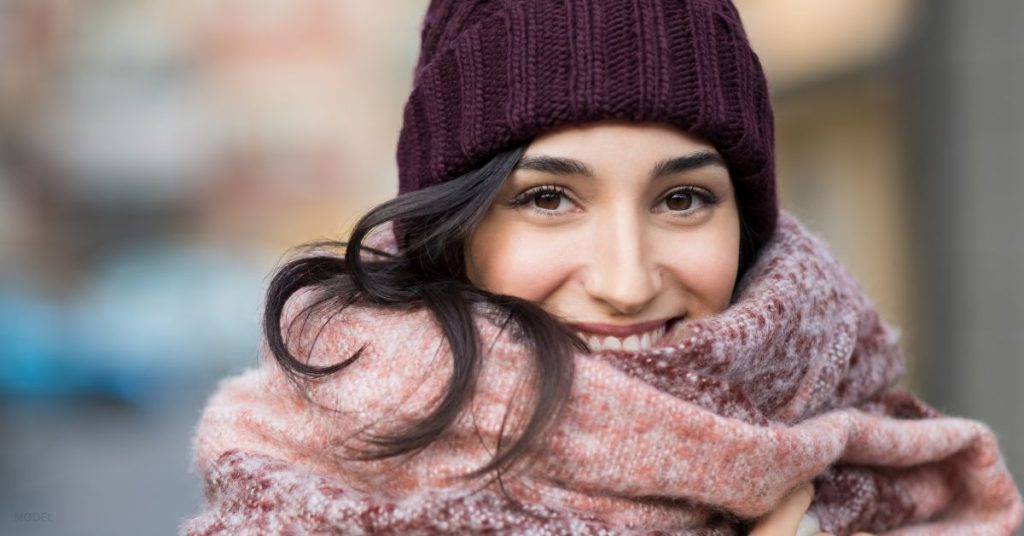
point(557, 165)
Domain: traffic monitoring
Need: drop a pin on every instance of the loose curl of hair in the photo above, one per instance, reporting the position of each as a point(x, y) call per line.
point(428, 270)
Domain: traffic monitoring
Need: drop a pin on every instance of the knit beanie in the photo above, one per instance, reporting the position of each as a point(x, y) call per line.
point(493, 74)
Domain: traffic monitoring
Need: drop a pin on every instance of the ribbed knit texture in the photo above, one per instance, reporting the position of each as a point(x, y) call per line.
point(493, 74)
point(697, 435)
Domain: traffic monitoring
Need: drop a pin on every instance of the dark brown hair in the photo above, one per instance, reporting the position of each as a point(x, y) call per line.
point(428, 271)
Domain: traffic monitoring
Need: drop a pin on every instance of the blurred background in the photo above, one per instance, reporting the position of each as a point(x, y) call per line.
point(158, 157)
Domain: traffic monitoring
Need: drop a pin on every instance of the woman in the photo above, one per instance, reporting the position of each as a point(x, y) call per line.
point(585, 313)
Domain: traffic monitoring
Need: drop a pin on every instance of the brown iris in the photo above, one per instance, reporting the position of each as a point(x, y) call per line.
point(679, 201)
point(554, 197)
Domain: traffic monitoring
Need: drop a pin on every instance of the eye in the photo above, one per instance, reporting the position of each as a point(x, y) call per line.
point(688, 200)
point(547, 200)
point(681, 200)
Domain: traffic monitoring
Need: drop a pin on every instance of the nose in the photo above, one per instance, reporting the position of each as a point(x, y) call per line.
point(621, 273)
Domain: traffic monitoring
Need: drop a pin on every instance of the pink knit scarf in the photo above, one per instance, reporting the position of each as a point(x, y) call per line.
point(796, 381)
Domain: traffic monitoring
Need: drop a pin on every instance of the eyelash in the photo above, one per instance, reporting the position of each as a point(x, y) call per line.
point(529, 195)
point(707, 198)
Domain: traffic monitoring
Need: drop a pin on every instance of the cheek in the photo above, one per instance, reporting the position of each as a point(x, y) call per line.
point(705, 264)
point(532, 264)
point(526, 265)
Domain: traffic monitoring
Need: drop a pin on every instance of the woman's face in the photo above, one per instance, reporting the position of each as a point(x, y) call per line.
point(615, 227)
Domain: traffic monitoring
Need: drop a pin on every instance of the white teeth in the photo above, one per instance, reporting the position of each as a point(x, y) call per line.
point(631, 343)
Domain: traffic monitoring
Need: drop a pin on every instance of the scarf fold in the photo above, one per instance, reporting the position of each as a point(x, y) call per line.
point(795, 381)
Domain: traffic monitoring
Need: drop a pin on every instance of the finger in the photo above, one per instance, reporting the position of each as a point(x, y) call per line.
point(785, 518)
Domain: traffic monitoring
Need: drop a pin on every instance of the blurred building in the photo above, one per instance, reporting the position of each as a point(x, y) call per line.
point(158, 157)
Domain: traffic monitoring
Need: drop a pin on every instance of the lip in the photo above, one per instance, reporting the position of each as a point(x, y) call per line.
point(621, 331)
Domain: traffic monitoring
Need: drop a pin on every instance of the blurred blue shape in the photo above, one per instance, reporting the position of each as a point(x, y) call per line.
point(150, 319)
point(28, 357)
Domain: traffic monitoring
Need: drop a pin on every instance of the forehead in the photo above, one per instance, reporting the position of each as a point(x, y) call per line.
point(619, 149)
point(617, 138)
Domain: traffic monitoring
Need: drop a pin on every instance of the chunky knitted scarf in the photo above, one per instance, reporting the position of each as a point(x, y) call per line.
point(795, 381)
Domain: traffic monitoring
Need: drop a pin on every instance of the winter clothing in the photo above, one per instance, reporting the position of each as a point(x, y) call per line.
point(697, 435)
point(493, 74)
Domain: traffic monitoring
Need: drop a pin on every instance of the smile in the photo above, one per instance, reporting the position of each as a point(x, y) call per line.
point(623, 339)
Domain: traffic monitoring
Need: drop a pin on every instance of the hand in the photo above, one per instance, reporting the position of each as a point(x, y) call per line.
point(785, 518)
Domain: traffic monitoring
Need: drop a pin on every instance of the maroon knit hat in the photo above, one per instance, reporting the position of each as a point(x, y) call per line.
point(493, 74)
